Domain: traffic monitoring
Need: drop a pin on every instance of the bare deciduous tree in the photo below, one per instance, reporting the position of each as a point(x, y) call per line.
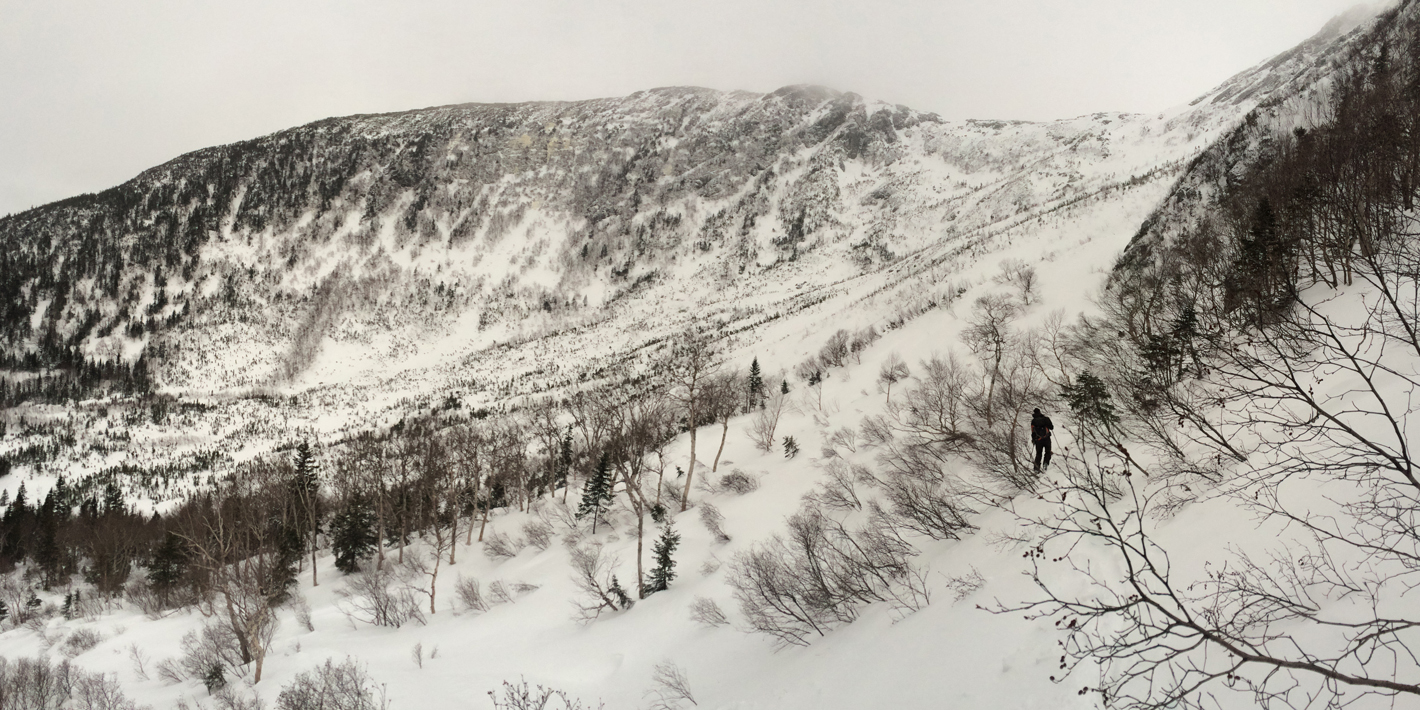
point(893, 371)
point(593, 574)
point(766, 421)
point(1021, 276)
point(722, 402)
point(694, 362)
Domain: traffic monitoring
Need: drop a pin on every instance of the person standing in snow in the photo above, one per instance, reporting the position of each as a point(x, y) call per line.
point(1040, 428)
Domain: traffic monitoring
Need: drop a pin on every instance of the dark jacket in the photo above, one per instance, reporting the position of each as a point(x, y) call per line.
point(1040, 428)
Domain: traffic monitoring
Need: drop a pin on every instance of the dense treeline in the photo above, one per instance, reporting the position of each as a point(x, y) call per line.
point(236, 548)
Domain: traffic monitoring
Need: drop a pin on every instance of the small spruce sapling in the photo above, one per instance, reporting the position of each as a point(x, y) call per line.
point(215, 679)
point(664, 571)
point(756, 386)
point(623, 600)
point(791, 447)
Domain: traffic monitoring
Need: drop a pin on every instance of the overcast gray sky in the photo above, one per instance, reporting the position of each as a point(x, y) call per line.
point(92, 92)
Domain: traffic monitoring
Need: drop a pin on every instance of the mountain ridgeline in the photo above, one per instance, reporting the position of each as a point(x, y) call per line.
point(453, 231)
point(88, 277)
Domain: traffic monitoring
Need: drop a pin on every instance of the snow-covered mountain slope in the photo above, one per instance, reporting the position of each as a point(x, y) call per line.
point(341, 314)
point(406, 252)
point(369, 268)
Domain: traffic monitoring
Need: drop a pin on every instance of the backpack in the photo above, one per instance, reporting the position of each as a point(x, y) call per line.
point(1039, 430)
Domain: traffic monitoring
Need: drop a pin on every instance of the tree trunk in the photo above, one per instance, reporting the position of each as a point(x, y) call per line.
point(477, 488)
point(453, 533)
point(380, 543)
point(434, 575)
point(235, 620)
point(690, 472)
point(640, 569)
point(724, 433)
point(259, 651)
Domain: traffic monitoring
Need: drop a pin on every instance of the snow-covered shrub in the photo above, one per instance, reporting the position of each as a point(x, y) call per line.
point(965, 585)
point(1020, 276)
point(705, 611)
point(80, 641)
point(714, 521)
point(470, 594)
point(928, 508)
point(35, 684)
point(835, 352)
point(796, 587)
point(378, 597)
point(593, 572)
point(860, 342)
point(538, 534)
point(14, 593)
point(92, 691)
point(840, 491)
point(670, 687)
point(498, 546)
point(738, 482)
point(520, 697)
point(225, 698)
point(303, 613)
point(843, 438)
point(140, 593)
point(766, 421)
point(498, 592)
point(214, 646)
point(345, 686)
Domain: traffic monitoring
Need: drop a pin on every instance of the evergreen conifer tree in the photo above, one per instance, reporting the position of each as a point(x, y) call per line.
point(48, 554)
point(289, 548)
point(20, 507)
point(305, 503)
point(4, 611)
point(113, 499)
point(1089, 400)
point(564, 459)
point(756, 385)
point(623, 600)
point(353, 534)
point(664, 550)
point(168, 567)
point(597, 493)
